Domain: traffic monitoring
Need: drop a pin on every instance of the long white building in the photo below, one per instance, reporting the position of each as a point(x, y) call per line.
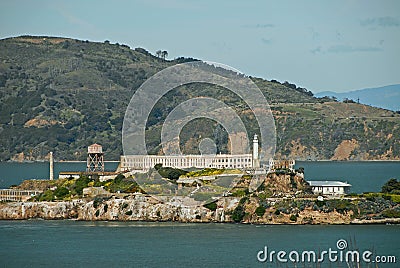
point(145, 162)
point(228, 161)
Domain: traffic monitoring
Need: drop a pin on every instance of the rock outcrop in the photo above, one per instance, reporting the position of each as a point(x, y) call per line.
point(132, 208)
point(144, 208)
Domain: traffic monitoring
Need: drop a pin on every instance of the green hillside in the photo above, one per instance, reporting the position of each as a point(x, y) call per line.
point(61, 95)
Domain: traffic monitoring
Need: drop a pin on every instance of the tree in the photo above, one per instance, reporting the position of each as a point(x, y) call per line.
point(157, 166)
point(347, 100)
point(392, 187)
point(170, 173)
point(158, 53)
point(260, 211)
point(238, 213)
point(61, 192)
point(164, 54)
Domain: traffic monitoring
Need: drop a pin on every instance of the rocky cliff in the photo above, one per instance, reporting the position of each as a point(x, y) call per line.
point(142, 208)
point(126, 209)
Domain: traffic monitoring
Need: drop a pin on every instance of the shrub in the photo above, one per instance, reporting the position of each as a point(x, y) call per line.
point(243, 200)
point(265, 195)
point(260, 211)
point(391, 186)
point(119, 178)
point(293, 217)
point(238, 213)
point(261, 187)
point(61, 192)
point(129, 212)
point(202, 196)
point(391, 213)
point(47, 196)
point(171, 173)
point(240, 193)
point(80, 183)
point(340, 205)
point(320, 203)
point(277, 212)
point(396, 198)
point(211, 206)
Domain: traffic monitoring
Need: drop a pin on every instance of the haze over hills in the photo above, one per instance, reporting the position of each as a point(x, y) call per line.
point(61, 95)
point(387, 97)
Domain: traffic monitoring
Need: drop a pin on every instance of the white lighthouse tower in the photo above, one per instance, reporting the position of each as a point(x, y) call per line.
point(256, 159)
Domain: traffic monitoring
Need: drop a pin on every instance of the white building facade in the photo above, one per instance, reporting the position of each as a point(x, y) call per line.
point(220, 161)
point(281, 164)
point(145, 162)
point(329, 188)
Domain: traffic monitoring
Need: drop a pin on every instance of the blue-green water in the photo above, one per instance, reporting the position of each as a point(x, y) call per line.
point(364, 176)
point(14, 173)
point(42, 243)
point(138, 244)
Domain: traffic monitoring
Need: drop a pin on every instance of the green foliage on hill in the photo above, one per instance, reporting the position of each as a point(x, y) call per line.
point(205, 172)
point(170, 173)
point(260, 211)
point(61, 95)
point(239, 212)
point(211, 206)
point(65, 189)
point(391, 187)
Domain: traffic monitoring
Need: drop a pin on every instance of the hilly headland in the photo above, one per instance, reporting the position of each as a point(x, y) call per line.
point(61, 94)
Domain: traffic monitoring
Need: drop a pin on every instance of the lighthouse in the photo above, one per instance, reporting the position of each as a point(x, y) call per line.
point(256, 160)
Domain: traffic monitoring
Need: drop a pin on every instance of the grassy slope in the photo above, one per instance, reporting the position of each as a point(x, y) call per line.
point(61, 95)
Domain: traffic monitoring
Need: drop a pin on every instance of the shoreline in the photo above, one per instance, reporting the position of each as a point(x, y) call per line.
point(146, 209)
point(117, 161)
point(59, 161)
point(389, 221)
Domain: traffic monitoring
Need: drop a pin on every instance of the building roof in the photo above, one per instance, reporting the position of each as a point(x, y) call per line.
point(328, 184)
point(95, 145)
point(186, 180)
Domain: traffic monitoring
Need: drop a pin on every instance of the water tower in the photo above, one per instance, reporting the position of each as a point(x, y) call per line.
point(95, 159)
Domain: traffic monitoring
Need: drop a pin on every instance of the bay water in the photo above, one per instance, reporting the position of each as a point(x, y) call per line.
point(68, 243)
point(13, 173)
point(40, 243)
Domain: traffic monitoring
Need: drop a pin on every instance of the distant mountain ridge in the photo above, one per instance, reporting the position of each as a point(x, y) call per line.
point(386, 97)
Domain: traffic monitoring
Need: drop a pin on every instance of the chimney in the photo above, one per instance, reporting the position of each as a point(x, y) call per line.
point(51, 166)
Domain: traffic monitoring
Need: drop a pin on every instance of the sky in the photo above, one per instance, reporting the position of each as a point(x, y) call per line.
point(321, 45)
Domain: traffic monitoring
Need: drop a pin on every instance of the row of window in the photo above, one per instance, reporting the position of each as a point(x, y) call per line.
point(186, 162)
point(330, 189)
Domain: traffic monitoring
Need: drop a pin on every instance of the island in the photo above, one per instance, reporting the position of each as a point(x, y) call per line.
point(282, 197)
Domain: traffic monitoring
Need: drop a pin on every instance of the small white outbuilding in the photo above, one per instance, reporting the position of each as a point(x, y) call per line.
point(329, 188)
